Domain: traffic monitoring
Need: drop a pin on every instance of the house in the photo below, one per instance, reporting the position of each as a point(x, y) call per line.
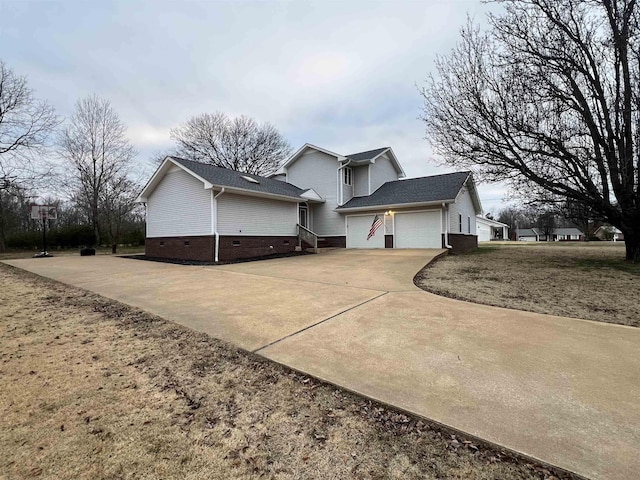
point(489, 230)
point(608, 232)
point(527, 235)
point(197, 211)
point(557, 235)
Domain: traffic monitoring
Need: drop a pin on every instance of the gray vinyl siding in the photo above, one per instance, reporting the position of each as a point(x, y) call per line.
point(179, 206)
point(463, 205)
point(319, 171)
point(361, 181)
point(243, 215)
point(381, 172)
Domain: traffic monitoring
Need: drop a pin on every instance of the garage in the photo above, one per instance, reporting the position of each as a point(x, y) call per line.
point(418, 230)
point(358, 227)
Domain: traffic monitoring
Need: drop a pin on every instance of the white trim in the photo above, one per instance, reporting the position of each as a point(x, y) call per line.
point(311, 194)
point(369, 175)
point(391, 206)
point(299, 152)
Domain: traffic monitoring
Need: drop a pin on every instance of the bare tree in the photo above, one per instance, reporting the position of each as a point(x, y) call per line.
point(582, 215)
point(238, 144)
point(546, 223)
point(549, 100)
point(26, 125)
point(119, 201)
point(95, 145)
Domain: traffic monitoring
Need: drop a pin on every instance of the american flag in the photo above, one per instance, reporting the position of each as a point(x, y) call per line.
point(377, 223)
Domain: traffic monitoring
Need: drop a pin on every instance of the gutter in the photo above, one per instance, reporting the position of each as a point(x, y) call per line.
point(214, 222)
point(445, 209)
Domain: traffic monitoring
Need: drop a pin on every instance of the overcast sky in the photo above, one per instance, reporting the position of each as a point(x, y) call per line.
point(342, 75)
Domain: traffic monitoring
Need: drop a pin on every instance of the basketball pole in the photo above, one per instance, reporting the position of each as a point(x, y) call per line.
point(44, 234)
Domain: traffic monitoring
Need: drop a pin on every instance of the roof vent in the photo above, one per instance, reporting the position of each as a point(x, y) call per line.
point(249, 179)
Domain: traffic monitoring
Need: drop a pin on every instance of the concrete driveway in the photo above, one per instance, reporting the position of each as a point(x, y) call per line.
point(565, 391)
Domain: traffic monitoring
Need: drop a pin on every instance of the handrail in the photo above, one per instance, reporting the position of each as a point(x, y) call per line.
point(306, 235)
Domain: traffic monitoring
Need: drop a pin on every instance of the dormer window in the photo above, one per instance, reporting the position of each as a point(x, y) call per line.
point(348, 176)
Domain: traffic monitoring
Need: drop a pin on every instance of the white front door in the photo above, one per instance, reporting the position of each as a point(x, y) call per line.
point(304, 216)
point(418, 230)
point(358, 227)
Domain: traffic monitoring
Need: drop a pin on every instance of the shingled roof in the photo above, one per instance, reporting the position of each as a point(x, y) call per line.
point(223, 177)
point(368, 155)
point(436, 188)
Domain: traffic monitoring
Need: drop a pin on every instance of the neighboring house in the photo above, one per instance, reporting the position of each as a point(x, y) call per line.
point(608, 232)
point(200, 212)
point(557, 235)
point(489, 230)
point(527, 235)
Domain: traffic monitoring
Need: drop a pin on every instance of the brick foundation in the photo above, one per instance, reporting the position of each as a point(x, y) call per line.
point(182, 248)
point(334, 242)
point(388, 241)
point(461, 243)
point(232, 248)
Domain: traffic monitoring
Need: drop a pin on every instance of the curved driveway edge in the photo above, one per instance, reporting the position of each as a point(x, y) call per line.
point(562, 390)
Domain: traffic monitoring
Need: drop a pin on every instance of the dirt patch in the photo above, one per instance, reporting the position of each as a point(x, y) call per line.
point(90, 388)
point(590, 281)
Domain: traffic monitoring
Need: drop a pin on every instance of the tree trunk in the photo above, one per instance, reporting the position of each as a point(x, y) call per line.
point(632, 245)
point(114, 248)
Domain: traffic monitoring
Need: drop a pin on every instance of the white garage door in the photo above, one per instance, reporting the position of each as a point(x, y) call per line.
point(358, 227)
point(418, 230)
point(484, 233)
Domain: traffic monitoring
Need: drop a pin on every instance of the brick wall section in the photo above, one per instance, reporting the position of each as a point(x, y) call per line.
point(234, 247)
point(199, 248)
point(333, 242)
point(388, 241)
point(462, 243)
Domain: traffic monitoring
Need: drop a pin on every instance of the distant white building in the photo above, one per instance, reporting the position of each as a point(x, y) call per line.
point(557, 235)
point(489, 230)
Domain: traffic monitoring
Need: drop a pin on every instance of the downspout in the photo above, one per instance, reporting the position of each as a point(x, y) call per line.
point(340, 189)
point(445, 210)
point(214, 221)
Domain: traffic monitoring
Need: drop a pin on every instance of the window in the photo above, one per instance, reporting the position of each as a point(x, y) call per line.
point(468, 224)
point(460, 222)
point(348, 176)
point(236, 243)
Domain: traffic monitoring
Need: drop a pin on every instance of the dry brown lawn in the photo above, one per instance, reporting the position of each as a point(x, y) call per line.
point(90, 388)
point(582, 280)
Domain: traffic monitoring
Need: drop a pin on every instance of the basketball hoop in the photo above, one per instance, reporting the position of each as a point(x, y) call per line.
point(44, 213)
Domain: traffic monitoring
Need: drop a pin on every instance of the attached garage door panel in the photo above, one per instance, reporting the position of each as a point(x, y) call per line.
point(358, 227)
point(418, 230)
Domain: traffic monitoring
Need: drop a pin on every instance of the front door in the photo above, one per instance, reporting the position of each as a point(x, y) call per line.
point(304, 216)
